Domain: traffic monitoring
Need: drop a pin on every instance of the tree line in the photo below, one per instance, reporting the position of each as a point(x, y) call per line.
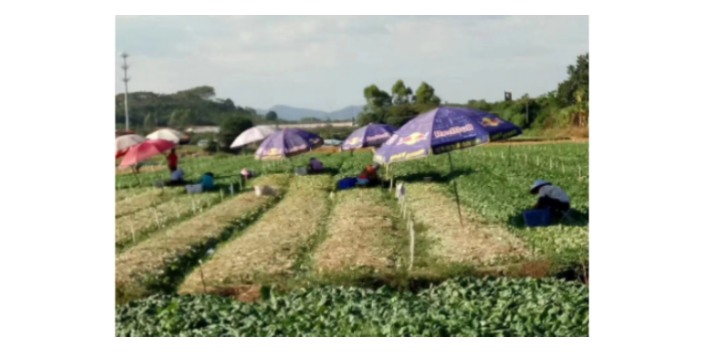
point(196, 106)
point(566, 106)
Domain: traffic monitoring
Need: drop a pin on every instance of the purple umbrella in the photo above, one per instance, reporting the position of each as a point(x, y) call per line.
point(371, 135)
point(287, 143)
point(443, 130)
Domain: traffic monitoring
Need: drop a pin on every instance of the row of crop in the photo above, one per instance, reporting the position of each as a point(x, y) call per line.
point(158, 263)
point(146, 199)
point(273, 246)
point(459, 307)
point(362, 234)
point(132, 228)
point(122, 194)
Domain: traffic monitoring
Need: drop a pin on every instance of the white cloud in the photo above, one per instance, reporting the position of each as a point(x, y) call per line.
point(308, 61)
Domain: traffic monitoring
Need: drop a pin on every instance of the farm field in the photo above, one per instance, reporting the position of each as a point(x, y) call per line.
point(156, 264)
point(356, 254)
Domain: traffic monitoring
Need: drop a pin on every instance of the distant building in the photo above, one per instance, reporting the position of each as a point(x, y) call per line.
point(119, 133)
point(203, 129)
point(334, 142)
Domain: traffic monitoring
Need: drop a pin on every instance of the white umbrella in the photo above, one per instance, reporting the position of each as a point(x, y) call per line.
point(126, 141)
point(168, 134)
point(253, 135)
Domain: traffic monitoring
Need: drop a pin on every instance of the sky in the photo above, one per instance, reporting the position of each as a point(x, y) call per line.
point(324, 62)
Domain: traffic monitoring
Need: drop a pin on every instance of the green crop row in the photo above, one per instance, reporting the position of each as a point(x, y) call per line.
point(458, 307)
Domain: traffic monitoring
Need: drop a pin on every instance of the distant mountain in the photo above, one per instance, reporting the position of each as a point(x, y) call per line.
point(292, 113)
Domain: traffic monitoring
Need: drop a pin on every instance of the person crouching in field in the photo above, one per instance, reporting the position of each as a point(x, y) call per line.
point(369, 176)
point(315, 166)
point(208, 181)
point(177, 178)
point(245, 175)
point(550, 197)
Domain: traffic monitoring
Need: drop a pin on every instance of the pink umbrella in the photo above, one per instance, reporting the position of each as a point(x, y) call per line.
point(123, 143)
point(144, 151)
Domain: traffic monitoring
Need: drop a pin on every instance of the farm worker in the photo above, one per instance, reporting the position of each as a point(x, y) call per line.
point(246, 175)
point(315, 166)
point(135, 168)
point(177, 178)
point(173, 160)
point(208, 181)
point(369, 175)
point(550, 197)
point(363, 179)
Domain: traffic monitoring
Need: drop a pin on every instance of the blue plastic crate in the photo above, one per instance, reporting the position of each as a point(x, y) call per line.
point(536, 218)
point(346, 183)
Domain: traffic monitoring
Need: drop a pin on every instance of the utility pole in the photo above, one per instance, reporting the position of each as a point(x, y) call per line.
point(125, 79)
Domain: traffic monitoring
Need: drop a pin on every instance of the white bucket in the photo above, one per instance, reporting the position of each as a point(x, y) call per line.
point(197, 188)
point(264, 191)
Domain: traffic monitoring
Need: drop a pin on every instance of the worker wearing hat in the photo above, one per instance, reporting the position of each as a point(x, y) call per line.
point(369, 176)
point(550, 197)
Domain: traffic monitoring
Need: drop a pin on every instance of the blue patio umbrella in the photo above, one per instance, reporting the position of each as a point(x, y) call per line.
point(443, 130)
point(371, 135)
point(286, 143)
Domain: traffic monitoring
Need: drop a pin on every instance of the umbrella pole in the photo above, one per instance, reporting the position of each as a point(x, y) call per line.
point(457, 196)
point(134, 173)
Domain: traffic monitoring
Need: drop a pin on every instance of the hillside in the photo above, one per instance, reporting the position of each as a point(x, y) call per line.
point(293, 113)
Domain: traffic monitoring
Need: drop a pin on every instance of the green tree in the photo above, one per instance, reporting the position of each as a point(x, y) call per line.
point(228, 105)
point(482, 105)
point(232, 127)
point(367, 117)
point(149, 122)
point(376, 98)
point(400, 114)
point(175, 119)
point(400, 93)
point(271, 116)
point(578, 80)
point(186, 118)
point(425, 94)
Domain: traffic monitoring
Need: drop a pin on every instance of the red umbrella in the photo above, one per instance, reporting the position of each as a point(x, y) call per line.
point(145, 151)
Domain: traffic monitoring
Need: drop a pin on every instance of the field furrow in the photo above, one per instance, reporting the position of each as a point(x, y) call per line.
point(130, 229)
point(144, 200)
point(121, 194)
point(361, 233)
point(156, 262)
point(474, 243)
point(273, 245)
